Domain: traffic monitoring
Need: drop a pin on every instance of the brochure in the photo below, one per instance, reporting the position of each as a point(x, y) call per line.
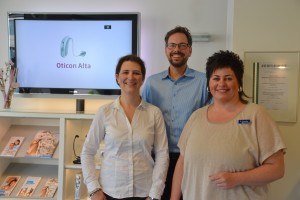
point(29, 186)
point(12, 146)
point(49, 188)
point(8, 185)
point(43, 144)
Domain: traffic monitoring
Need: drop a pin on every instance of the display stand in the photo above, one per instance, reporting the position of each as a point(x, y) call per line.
point(60, 166)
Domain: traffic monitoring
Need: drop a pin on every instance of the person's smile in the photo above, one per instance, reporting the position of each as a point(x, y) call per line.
point(222, 90)
point(130, 82)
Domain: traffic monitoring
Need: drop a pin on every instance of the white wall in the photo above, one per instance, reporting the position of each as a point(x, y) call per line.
point(273, 25)
point(157, 17)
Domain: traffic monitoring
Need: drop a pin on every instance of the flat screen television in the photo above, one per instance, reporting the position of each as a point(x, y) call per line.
point(71, 53)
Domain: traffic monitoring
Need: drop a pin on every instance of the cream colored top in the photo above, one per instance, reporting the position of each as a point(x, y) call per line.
point(240, 144)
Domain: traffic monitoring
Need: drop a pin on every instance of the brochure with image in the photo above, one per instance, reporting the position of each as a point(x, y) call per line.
point(43, 144)
point(8, 185)
point(12, 146)
point(29, 186)
point(49, 188)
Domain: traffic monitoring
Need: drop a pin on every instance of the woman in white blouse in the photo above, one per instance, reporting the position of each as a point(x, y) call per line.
point(132, 130)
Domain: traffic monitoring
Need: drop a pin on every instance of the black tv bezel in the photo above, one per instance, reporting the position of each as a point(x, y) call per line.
point(133, 16)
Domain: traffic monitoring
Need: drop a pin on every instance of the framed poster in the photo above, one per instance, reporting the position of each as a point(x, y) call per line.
point(275, 82)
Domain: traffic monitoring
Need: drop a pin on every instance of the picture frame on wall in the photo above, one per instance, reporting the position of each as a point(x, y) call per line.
point(275, 81)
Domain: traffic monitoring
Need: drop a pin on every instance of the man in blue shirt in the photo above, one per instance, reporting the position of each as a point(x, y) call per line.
point(177, 91)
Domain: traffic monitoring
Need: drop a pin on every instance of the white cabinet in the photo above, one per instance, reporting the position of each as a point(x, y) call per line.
point(60, 165)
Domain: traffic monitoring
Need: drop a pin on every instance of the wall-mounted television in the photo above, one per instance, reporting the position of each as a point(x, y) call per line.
point(71, 53)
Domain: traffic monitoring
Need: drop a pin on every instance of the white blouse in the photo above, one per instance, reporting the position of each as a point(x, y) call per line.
point(128, 169)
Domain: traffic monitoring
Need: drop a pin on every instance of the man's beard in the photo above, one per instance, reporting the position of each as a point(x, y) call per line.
point(178, 64)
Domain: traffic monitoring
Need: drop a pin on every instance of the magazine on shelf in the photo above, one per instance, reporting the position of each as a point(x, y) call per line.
point(8, 185)
point(12, 146)
point(49, 188)
point(43, 144)
point(29, 186)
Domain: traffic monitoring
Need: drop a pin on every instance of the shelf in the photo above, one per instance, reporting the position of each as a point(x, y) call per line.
point(27, 124)
point(24, 170)
point(28, 132)
point(28, 160)
point(35, 114)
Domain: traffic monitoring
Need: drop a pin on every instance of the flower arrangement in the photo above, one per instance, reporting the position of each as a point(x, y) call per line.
point(8, 77)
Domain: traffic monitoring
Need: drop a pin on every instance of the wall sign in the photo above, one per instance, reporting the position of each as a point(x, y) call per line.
point(275, 82)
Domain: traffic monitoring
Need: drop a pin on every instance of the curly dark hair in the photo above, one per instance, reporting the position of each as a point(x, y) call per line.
point(180, 29)
point(226, 59)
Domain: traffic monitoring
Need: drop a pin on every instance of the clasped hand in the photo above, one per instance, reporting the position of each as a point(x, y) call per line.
point(225, 180)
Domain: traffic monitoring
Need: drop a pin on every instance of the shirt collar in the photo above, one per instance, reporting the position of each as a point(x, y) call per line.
point(188, 73)
point(117, 105)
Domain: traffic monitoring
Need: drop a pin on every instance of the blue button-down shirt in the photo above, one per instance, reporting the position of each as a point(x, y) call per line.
point(176, 99)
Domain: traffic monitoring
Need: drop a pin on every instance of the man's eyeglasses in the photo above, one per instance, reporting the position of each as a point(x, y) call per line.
point(181, 46)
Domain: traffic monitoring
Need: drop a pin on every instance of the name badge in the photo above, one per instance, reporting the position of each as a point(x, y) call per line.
point(244, 121)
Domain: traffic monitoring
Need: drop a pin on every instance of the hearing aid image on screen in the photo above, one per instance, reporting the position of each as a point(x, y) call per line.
point(70, 54)
point(64, 47)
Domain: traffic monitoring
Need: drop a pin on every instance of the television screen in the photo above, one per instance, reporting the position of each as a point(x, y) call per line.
point(72, 53)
